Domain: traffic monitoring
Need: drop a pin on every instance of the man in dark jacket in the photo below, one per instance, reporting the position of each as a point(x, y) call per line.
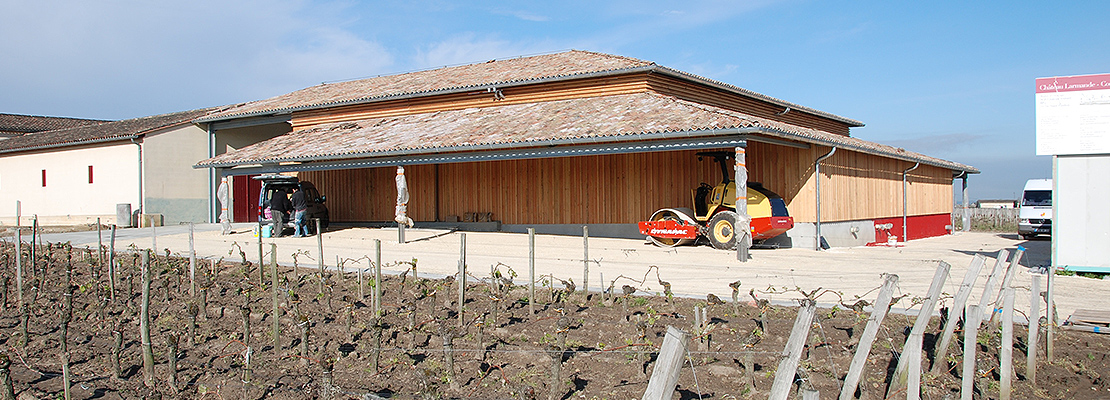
point(279, 210)
point(300, 207)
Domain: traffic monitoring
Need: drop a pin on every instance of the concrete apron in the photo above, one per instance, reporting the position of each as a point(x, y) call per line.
point(777, 275)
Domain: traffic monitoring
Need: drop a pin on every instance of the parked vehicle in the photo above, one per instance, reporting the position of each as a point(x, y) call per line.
point(714, 214)
point(1035, 211)
point(279, 185)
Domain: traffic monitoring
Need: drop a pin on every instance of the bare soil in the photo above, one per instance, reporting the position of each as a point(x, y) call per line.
point(600, 346)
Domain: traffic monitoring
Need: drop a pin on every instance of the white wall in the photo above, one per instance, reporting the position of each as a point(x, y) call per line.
point(68, 197)
point(1081, 213)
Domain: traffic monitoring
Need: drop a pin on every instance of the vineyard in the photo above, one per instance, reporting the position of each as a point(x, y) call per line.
point(135, 324)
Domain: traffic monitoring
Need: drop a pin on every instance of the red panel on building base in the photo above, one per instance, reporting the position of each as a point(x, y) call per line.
point(919, 226)
point(244, 198)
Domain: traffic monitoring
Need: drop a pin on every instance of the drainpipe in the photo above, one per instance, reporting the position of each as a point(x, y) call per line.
point(212, 213)
point(904, 199)
point(817, 173)
point(139, 144)
point(966, 215)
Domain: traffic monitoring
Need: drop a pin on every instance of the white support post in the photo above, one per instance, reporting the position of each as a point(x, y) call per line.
point(742, 230)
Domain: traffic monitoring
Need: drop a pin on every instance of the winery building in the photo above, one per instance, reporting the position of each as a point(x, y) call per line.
point(563, 140)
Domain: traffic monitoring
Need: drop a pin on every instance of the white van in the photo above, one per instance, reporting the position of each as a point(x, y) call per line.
point(1035, 210)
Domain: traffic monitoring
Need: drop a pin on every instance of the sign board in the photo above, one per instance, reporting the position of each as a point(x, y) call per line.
point(1073, 115)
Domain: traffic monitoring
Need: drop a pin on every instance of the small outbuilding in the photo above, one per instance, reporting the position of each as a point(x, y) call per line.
point(576, 138)
point(77, 174)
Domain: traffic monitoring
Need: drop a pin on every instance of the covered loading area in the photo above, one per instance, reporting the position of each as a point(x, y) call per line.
point(604, 149)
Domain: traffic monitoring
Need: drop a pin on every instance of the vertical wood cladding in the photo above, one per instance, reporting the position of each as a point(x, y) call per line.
point(626, 188)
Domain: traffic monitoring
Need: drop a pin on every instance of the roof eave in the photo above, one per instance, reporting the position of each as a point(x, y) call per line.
point(71, 144)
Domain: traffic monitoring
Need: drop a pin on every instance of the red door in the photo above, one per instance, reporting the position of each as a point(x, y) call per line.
point(244, 200)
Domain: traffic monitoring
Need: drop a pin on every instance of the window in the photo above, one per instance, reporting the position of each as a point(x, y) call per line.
point(1037, 198)
point(90, 174)
point(44, 178)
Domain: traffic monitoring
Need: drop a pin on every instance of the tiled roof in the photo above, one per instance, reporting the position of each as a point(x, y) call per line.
point(572, 64)
point(105, 132)
point(600, 119)
point(18, 124)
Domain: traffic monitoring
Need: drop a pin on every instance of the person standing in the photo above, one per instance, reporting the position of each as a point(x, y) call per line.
point(300, 207)
point(279, 210)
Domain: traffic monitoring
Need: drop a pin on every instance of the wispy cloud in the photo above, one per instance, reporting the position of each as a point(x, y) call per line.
point(942, 143)
point(523, 15)
point(174, 56)
point(842, 34)
point(470, 47)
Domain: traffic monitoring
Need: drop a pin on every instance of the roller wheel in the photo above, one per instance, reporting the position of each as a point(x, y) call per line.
point(667, 215)
point(722, 230)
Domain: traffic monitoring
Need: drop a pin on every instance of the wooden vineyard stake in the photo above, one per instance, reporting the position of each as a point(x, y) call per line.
point(585, 260)
point(276, 327)
point(462, 276)
point(863, 349)
point(1050, 313)
point(99, 245)
point(144, 322)
point(531, 271)
point(261, 259)
point(1007, 278)
point(664, 376)
point(112, 265)
point(792, 353)
point(63, 333)
point(992, 281)
point(378, 277)
point(971, 333)
point(320, 252)
point(907, 376)
point(19, 266)
point(954, 312)
point(1006, 356)
point(192, 262)
point(1034, 330)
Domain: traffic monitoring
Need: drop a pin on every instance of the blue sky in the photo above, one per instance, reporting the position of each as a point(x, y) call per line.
point(949, 79)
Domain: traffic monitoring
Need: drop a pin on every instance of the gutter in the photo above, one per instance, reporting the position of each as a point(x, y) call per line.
point(520, 145)
point(139, 144)
point(794, 136)
point(817, 173)
point(69, 144)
